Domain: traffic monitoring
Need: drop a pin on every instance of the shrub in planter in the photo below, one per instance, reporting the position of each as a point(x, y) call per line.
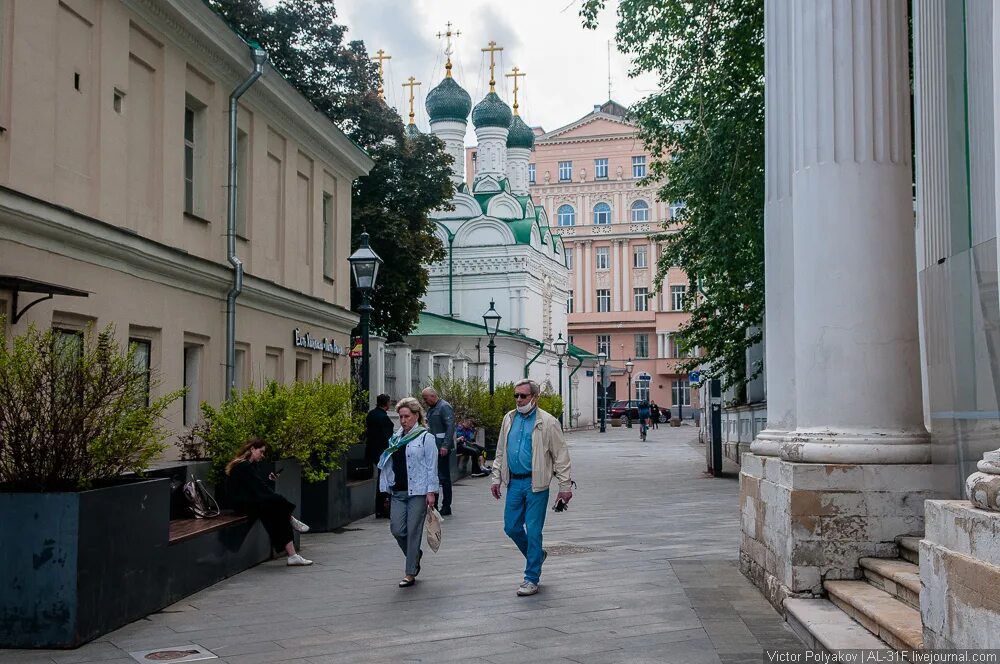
point(76, 411)
point(311, 422)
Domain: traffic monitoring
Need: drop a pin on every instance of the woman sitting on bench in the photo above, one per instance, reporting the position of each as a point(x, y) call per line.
point(251, 495)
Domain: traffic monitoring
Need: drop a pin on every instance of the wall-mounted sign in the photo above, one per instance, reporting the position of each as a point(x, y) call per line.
point(308, 341)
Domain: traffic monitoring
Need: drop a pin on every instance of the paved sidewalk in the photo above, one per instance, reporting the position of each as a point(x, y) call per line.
point(642, 569)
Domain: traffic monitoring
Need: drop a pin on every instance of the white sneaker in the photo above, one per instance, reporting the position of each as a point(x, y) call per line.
point(527, 588)
point(298, 526)
point(298, 561)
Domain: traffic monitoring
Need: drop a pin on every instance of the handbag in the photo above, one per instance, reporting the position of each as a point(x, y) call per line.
point(200, 501)
point(432, 528)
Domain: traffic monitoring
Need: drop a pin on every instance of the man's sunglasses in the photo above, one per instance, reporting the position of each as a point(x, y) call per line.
point(519, 395)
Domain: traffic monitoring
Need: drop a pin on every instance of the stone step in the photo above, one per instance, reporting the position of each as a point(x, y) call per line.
point(909, 548)
point(897, 577)
point(881, 614)
point(823, 626)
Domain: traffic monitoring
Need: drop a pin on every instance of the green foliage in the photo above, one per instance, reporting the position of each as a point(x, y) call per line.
point(410, 177)
point(471, 399)
point(705, 131)
point(74, 411)
point(313, 423)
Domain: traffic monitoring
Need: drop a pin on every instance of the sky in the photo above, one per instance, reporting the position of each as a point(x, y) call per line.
point(566, 65)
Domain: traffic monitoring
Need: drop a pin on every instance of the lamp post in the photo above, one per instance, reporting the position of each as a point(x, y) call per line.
point(560, 346)
point(602, 360)
point(365, 264)
point(628, 404)
point(491, 319)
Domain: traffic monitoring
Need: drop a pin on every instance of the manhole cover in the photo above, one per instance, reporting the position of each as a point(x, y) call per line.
point(568, 549)
point(188, 653)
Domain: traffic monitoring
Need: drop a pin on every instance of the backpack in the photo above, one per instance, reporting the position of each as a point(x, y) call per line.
point(200, 501)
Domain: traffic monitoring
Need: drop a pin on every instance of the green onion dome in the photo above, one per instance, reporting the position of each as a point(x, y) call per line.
point(448, 101)
point(520, 135)
point(412, 131)
point(491, 112)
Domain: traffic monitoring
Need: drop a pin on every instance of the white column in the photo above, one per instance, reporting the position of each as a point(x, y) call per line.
point(452, 133)
point(626, 250)
point(654, 302)
point(857, 378)
point(615, 278)
point(517, 170)
point(512, 299)
point(588, 276)
point(492, 152)
point(578, 267)
point(659, 345)
point(779, 282)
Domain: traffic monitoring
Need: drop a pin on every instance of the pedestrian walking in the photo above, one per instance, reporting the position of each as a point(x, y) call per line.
point(441, 422)
point(409, 473)
point(531, 451)
point(250, 494)
point(378, 431)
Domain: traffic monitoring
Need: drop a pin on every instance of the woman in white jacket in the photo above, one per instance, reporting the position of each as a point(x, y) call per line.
point(409, 474)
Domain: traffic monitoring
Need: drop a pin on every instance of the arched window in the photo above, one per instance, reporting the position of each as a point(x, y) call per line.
point(566, 215)
point(602, 214)
point(640, 211)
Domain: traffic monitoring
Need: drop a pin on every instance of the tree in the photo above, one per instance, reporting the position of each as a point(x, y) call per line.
point(705, 131)
point(410, 175)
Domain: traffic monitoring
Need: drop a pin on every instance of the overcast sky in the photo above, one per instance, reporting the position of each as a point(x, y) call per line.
point(566, 65)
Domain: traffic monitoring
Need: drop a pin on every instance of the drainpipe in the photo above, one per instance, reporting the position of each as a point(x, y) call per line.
point(541, 349)
point(259, 57)
point(569, 382)
point(451, 266)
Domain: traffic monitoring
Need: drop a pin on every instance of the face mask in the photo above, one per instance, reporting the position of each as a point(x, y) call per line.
point(526, 408)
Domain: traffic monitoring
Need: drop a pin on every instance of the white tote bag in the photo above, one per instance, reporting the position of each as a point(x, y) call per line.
point(432, 528)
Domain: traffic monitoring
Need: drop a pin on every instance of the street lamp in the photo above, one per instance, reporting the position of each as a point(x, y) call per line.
point(491, 319)
point(560, 346)
point(602, 360)
point(628, 404)
point(364, 267)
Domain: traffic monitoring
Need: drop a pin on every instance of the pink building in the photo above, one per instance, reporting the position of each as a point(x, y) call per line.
point(585, 174)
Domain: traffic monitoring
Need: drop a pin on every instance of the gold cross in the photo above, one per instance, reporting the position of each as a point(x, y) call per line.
point(411, 84)
point(448, 49)
point(493, 48)
point(381, 56)
point(515, 74)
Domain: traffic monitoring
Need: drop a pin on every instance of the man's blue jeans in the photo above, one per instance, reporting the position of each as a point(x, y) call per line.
point(523, 519)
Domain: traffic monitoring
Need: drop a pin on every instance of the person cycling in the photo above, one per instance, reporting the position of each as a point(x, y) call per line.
point(644, 414)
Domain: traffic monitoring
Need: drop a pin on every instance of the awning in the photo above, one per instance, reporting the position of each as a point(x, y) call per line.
point(18, 285)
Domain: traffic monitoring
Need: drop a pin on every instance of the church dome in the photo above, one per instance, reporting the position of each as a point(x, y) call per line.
point(520, 135)
point(491, 112)
point(448, 101)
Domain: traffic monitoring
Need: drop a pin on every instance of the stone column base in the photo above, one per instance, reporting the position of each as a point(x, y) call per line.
point(960, 575)
point(804, 523)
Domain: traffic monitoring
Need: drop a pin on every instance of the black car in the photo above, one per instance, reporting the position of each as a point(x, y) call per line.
point(628, 412)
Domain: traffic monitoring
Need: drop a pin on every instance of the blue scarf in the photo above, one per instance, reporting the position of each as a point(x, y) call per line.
point(399, 441)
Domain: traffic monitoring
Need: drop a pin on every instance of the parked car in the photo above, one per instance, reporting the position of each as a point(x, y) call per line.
point(628, 411)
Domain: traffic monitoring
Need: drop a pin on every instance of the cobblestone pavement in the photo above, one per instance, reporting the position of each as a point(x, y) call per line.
point(642, 569)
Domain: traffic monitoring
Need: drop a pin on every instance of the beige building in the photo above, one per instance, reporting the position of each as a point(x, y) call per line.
point(586, 175)
point(113, 184)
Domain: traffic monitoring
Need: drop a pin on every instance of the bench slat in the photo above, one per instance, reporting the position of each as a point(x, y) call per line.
point(185, 529)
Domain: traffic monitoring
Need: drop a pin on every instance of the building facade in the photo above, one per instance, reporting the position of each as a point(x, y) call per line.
point(585, 176)
point(113, 195)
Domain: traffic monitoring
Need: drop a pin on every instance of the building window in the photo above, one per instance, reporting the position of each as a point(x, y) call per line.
point(639, 167)
point(641, 298)
point(328, 230)
point(565, 171)
point(195, 146)
point(601, 168)
point(603, 300)
point(140, 349)
point(641, 346)
point(675, 209)
point(640, 211)
point(566, 215)
point(677, 295)
point(603, 258)
point(642, 390)
point(302, 369)
point(681, 393)
point(531, 174)
point(604, 344)
point(569, 258)
point(602, 214)
point(569, 302)
point(639, 256)
point(192, 382)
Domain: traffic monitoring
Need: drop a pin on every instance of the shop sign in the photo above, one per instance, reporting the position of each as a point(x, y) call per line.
point(308, 341)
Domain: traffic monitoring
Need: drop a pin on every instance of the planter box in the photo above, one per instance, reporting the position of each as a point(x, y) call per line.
point(335, 502)
point(74, 566)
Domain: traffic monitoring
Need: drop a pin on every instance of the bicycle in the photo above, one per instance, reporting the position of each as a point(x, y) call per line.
point(643, 427)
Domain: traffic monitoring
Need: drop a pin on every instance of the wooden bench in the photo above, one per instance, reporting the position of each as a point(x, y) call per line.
point(185, 529)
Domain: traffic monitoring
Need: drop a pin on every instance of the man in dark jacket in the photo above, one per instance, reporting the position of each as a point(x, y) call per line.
point(441, 423)
point(378, 431)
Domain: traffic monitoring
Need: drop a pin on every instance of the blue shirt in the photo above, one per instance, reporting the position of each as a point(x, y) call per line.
point(519, 442)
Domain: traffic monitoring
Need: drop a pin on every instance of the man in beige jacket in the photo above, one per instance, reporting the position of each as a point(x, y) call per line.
point(530, 451)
